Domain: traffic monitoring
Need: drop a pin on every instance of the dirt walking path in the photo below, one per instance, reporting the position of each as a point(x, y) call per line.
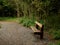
point(12, 33)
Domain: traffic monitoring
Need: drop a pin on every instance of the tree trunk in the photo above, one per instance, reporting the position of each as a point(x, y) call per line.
point(17, 8)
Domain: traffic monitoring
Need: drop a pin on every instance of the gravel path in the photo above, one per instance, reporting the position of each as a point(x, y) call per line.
point(12, 33)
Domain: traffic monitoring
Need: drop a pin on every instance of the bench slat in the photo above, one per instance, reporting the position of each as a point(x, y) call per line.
point(34, 29)
point(39, 24)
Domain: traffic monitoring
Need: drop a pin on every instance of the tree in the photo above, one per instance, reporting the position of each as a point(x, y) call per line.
point(17, 7)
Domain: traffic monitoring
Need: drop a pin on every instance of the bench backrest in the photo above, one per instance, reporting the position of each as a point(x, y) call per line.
point(39, 24)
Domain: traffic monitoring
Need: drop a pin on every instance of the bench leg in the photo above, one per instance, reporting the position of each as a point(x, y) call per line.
point(39, 33)
point(41, 36)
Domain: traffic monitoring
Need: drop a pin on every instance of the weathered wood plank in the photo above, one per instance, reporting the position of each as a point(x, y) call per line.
point(39, 24)
point(34, 29)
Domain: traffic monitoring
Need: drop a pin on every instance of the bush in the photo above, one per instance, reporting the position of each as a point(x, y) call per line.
point(26, 21)
point(55, 34)
point(53, 22)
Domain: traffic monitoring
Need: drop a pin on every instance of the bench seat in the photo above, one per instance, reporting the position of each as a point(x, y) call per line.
point(34, 29)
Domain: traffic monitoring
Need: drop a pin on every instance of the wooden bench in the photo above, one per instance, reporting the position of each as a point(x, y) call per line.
point(36, 29)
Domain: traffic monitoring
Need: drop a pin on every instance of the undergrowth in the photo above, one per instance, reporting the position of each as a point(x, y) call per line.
point(8, 19)
point(55, 33)
point(57, 43)
point(26, 21)
point(53, 26)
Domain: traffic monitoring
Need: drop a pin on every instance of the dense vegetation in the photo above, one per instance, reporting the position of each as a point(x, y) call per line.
point(45, 11)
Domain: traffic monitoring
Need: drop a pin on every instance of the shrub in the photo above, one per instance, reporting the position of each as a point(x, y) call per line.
point(55, 34)
point(26, 21)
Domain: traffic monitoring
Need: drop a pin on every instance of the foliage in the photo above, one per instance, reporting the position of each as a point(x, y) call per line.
point(8, 19)
point(7, 8)
point(26, 21)
point(39, 8)
point(55, 33)
point(53, 22)
point(57, 43)
point(45, 11)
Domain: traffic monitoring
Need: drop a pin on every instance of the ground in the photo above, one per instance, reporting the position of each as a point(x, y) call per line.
point(12, 33)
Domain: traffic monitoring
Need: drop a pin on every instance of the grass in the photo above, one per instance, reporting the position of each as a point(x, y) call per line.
point(14, 19)
point(55, 33)
point(9, 19)
point(0, 25)
point(56, 43)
